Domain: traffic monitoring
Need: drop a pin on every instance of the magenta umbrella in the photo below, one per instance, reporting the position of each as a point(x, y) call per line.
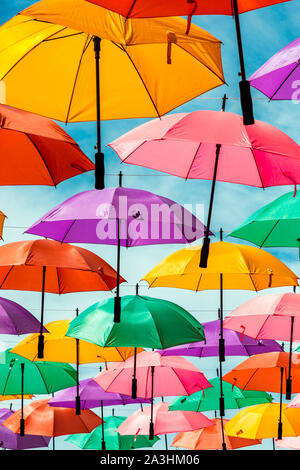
point(270, 316)
point(278, 77)
point(215, 146)
point(16, 320)
point(157, 376)
point(236, 344)
point(119, 216)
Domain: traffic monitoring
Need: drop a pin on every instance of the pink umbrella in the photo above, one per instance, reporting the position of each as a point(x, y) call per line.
point(288, 443)
point(295, 402)
point(165, 421)
point(214, 146)
point(271, 316)
point(157, 376)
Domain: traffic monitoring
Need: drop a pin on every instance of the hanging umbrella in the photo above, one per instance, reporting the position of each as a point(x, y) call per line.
point(230, 266)
point(215, 146)
point(136, 73)
point(148, 9)
point(21, 376)
point(15, 397)
point(2, 219)
point(208, 400)
point(16, 320)
point(288, 443)
point(165, 421)
point(119, 216)
point(276, 224)
point(49, 266)
point(156, 376)
point(266, 372)
point(147, 322)
point(32, 146)
point(261, 422)
point(10, 440)
point(114, 440)
point(273, 316)
point(42, 419)
point(277, 77)
point(211, 438)
point(236, 344)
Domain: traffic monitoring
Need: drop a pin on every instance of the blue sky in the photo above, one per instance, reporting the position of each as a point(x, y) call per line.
point(264, 32)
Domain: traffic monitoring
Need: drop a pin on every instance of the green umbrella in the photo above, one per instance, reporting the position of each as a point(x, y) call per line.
point(275, 225)
point(147, 322)
point(208, 399)
point(113, 440)
point(21, 376)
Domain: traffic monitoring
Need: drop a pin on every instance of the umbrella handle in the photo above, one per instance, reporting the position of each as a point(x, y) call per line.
point(151, 431)
point(22, 427)
point(117, 310)
point(134, 388)
point(78, 407)
point(279, 437)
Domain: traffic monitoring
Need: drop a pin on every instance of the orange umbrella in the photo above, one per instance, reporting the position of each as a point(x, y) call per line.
point(45, 420)
point(32, 148)
point(210, 438)
point(265, 372)
point(50, 266)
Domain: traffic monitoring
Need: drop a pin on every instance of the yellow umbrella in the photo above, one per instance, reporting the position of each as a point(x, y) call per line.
point(60, 348)
point(15, 397)
point(261, 422)
point(51, 64)
point(230, 266)
point(2, 218)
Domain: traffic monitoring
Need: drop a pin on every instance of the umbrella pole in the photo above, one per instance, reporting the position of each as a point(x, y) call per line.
point(22, 422)
point(223, 435)
point(280, 406)
point(151, 427)
point(103, 446)
point(41, 336)
point(77, 399)
point(288, 392)
point(206, 239)
point(134, 381)
point(245, 93)
point(99, 156)
point(221, 340)
point(117, 304)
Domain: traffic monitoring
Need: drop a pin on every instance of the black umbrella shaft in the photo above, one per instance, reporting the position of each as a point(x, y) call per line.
point(221, 340)
point(280, 406)
point(239, 38)
point(134, 381)
point(118, 258)
point(41, 336)
point(289, 378)
point(212, 193)
point(223, 435)
point(22, 423)
point(151, 428)
point(102, 426)
point(97, 62)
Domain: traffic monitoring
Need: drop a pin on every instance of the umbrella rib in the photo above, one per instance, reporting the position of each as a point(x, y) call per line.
point(42, 377)
point(250, 275)
point(86, 45)
point(250, 378)
point(262, 244)
point(58, 280)
point(149, 94)
point(43, 160)
point(262, 184)
point(68, 231)
point(129, 155)
point(6, 276)
point(187, 175)
point(287, 77)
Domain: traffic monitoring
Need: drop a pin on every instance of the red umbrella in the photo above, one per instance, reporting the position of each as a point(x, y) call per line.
point(36, 151)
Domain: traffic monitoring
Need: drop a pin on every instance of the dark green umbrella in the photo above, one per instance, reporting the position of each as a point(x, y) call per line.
point(21, 376)
point(208, 399)
point(147, 322)
point(113, 440)
point(276, 224)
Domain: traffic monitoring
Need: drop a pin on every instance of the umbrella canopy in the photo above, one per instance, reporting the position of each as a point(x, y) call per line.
point(147, 322)
point(171, 376)
point(38, 377)
point(211, 439)
point(60, 348)
point(93, 216)
point(276, 77)
point(288, 443)
point(32, 146)
point(208, 400)
point(165, 421)
point(295, 402)
point(43, 419)
point(114, 440)
point(241, 266)
point(136, 78)
point(2, 219)
point(259, 155)
point(16, 320)
point(15, 397)
point(273, 225)
point(263, 372)
point(235, 344)
point(261, 422)
point(91, 396)
point(144, 9)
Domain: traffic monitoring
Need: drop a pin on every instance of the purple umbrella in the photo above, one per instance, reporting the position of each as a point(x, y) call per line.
point(92, 396)
point(235, 344)
point(119, 216)
point(279, 77)
point(16, 320)
point(10, 440)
